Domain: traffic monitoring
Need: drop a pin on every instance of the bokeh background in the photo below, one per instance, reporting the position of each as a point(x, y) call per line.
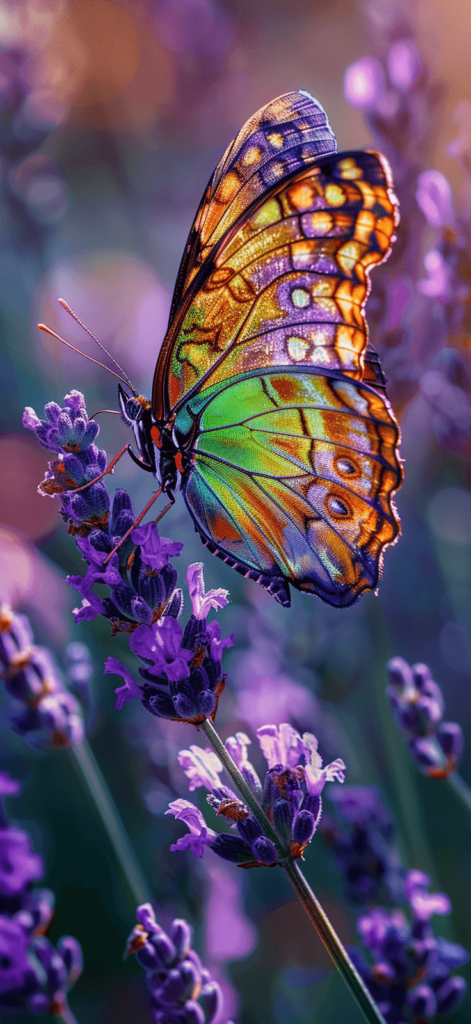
point(113, 115)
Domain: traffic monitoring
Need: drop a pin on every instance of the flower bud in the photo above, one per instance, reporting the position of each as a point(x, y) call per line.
point(250, 829)
point(193, 1013)
point(450, 738)
point(211, 1000)
point(180, 934)
point(304, 827)
point(450, 994)
point(232, 848)
point(264, 850)
point(283, 818)
point(421, 1001)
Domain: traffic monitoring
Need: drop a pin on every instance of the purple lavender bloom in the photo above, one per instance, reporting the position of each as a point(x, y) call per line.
point(410, 974)
point(34, 976)
point(202, 767)
point(182, 990)
point(417, 704)
point(182, 668)
point(69, 433)
point(19, 866)
point(291, 796)
point(360, 833)
point(42, 710)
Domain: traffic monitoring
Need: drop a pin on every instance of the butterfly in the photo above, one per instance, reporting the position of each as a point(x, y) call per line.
point(268, 402)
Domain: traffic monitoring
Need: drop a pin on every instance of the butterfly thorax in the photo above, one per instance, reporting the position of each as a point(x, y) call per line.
point(157, 451)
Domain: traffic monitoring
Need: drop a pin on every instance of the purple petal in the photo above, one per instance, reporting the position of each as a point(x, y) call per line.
point(201, 767)
point(202, 602)
point(130, 689)
point(89, 610)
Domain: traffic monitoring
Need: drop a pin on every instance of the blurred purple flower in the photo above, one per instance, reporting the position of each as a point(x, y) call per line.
point(404, 64)
point(423, 903)
point(434, 197)
point(42, 711)
point(438, 285)
point(19, 866)
point(364, 83)
point(417, 704)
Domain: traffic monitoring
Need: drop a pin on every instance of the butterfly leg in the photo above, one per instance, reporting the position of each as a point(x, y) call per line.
point(165, 510)
point(136, 523)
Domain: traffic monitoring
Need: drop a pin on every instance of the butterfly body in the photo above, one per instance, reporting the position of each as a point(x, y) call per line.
point(268, 403)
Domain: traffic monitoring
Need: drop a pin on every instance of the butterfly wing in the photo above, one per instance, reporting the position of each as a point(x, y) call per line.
point(282, 137)
point(276, 398)
point(292, 479)
point(287, 284)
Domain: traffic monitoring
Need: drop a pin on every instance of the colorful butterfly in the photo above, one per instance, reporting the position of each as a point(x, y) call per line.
point(267, 398)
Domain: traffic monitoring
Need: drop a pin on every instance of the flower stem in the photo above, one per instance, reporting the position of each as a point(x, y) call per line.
point(66, 1015)
point(244, 789)
point(139, 889)
point(316, 915)
point(461, 788)
point(332, 943)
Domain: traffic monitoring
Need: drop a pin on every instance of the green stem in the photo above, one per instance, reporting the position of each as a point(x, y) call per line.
point(311, 904)
point(66, 1015)
point(461, 789)
point(332, 943)
point(84, 760)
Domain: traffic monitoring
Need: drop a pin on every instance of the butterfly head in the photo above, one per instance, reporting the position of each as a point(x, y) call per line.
point(136, 412)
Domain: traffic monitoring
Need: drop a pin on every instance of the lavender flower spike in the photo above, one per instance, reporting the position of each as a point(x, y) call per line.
point(42, 710)
point(34, 976)
point(417, 704)
point(182, 990)
point(291, 797)
point(410, 976)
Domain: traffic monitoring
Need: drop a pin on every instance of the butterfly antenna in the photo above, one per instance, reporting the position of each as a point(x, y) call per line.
point(114, 412)
point(47, 330)
point(68, 309)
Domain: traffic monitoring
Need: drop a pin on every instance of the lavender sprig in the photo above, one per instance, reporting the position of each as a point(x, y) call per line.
point(410, 976)
point(182, 990)
point(49, 717)
point(34, 975)
point(42, 711)
point(435, 746)
point(181, 667)
point(290, 797)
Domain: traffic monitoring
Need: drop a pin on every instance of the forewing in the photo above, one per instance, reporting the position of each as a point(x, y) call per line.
point(287, 285)
point(284, 136)
point(293, 478)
